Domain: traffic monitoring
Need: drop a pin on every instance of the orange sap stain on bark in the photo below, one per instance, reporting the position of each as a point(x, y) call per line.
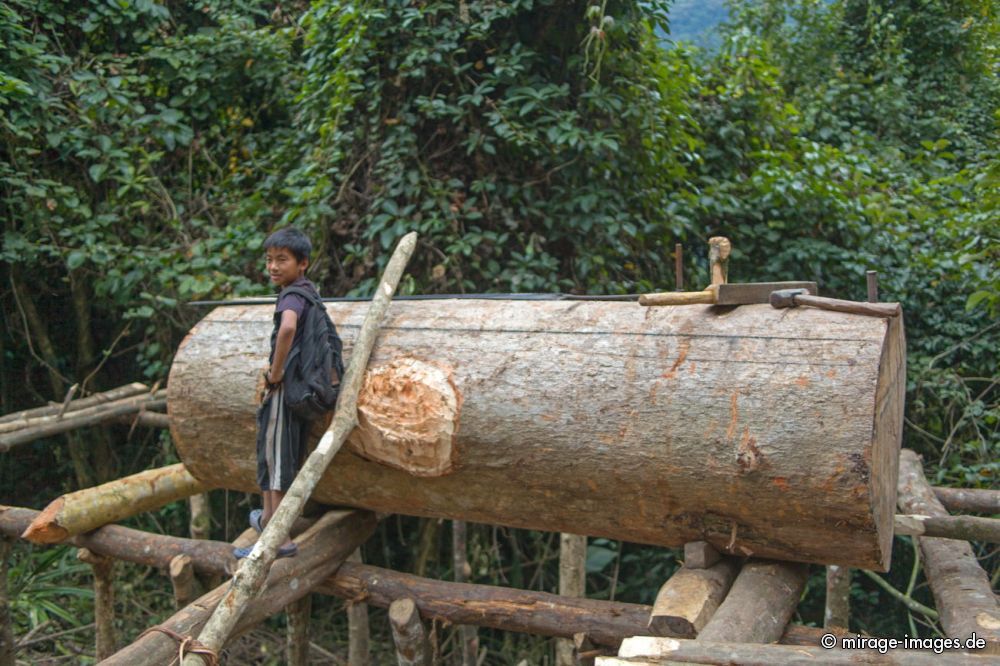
point(781, 483)
point(802, 381)
point(682, 353)
point(734, 416)
point(592, 485)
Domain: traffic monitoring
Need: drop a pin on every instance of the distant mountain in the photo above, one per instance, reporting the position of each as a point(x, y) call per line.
point(695, 21)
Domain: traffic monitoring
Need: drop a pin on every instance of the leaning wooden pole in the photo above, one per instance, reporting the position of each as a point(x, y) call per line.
point(253, 569)
point(759, 604)
point(961, 588)
point(7, 648)
point(104, 600)
point(85, 510)
point(322, 548)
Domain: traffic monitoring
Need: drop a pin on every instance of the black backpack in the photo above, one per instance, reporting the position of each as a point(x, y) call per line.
point(309, 391)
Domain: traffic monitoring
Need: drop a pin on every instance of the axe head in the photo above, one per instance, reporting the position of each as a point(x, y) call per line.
point(758, 292)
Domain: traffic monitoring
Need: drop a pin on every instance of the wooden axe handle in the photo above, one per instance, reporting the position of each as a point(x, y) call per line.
point(706, 297)
point(851, 307)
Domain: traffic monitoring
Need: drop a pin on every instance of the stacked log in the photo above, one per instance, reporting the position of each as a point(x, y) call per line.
point(653, 425)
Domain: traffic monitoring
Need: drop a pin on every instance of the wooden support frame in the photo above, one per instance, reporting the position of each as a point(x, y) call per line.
point(297, 633)
point(689, 598)
point(104, 600)
point(969, 499)
point(182, 579)
point(963, 528)
point(358, 635)
point(572, 583)
point(961, 588)
point(468, 635)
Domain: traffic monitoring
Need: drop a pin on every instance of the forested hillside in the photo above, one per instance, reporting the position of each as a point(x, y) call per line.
point(147, 149)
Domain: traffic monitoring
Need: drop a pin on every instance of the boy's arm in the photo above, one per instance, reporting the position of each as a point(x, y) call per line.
point(286, 334)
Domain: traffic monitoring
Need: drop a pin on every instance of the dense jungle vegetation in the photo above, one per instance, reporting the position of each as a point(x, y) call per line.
point(147, 148)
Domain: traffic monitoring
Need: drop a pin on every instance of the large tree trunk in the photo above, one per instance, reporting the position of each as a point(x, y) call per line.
point(653, 425)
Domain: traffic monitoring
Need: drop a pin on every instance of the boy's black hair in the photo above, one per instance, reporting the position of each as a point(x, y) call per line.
point(291, 239)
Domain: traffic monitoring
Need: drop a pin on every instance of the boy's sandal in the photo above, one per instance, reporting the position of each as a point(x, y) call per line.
point(291, 550)
point(255, 517)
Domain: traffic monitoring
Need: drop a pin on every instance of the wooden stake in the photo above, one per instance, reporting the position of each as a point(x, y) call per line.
point(200, 524)
point(968, 499)
point(460, 562)
point(759, 604)
point(961, 589)
point(964, 528)
point(253, 569)
point(322, 548)
point(678, 650)
point(88, 509)
point(838, 597)
point(186, 586)
point(678, 267)
point(872, 280)
point(689, 598)
point(297, 646)
point(719, 249)
point(7, 645)
point(75, 405)
point(408, 634)
point(572, 583)
point(104, 601)
point(358, 639)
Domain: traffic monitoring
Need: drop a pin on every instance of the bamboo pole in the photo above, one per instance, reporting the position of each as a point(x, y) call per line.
point(253, 569)
point(409, 634)
point(961, 589)
point(467, 634)
point(88, 509)
point(969, 499)
point(7, 646)
point(322, 548)
point(358, 650)
point(104, 600)
point(126, 391)
point(963, 528)
point(678, 650)
point(297, 633)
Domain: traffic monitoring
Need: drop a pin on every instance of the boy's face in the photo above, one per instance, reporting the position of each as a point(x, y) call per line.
point(283, 267)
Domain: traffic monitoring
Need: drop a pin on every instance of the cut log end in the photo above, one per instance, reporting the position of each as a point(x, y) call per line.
point(45, 529)
point(408, 413)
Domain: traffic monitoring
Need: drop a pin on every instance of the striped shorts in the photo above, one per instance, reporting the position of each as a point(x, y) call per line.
point(281, 443)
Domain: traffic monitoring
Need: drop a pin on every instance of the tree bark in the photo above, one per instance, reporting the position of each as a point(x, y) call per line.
point(650, 425)
point(689, 598)
point(297, 633)
point(961, 589)
point(468, 635)
point(572, 583)
point(253, 569)
point(963, 528)
point(759, 604)
point(969, 499)
point(7, 645)
point(127, 391)
point(409, 634)
point(200, 525)
point(321, 550)
point(679, 650)
point(837, 612)
point(104, 600)
point(358, 650)
point(85, 510)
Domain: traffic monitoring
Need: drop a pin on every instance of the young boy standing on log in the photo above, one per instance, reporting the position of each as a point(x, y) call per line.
point(281, 433)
